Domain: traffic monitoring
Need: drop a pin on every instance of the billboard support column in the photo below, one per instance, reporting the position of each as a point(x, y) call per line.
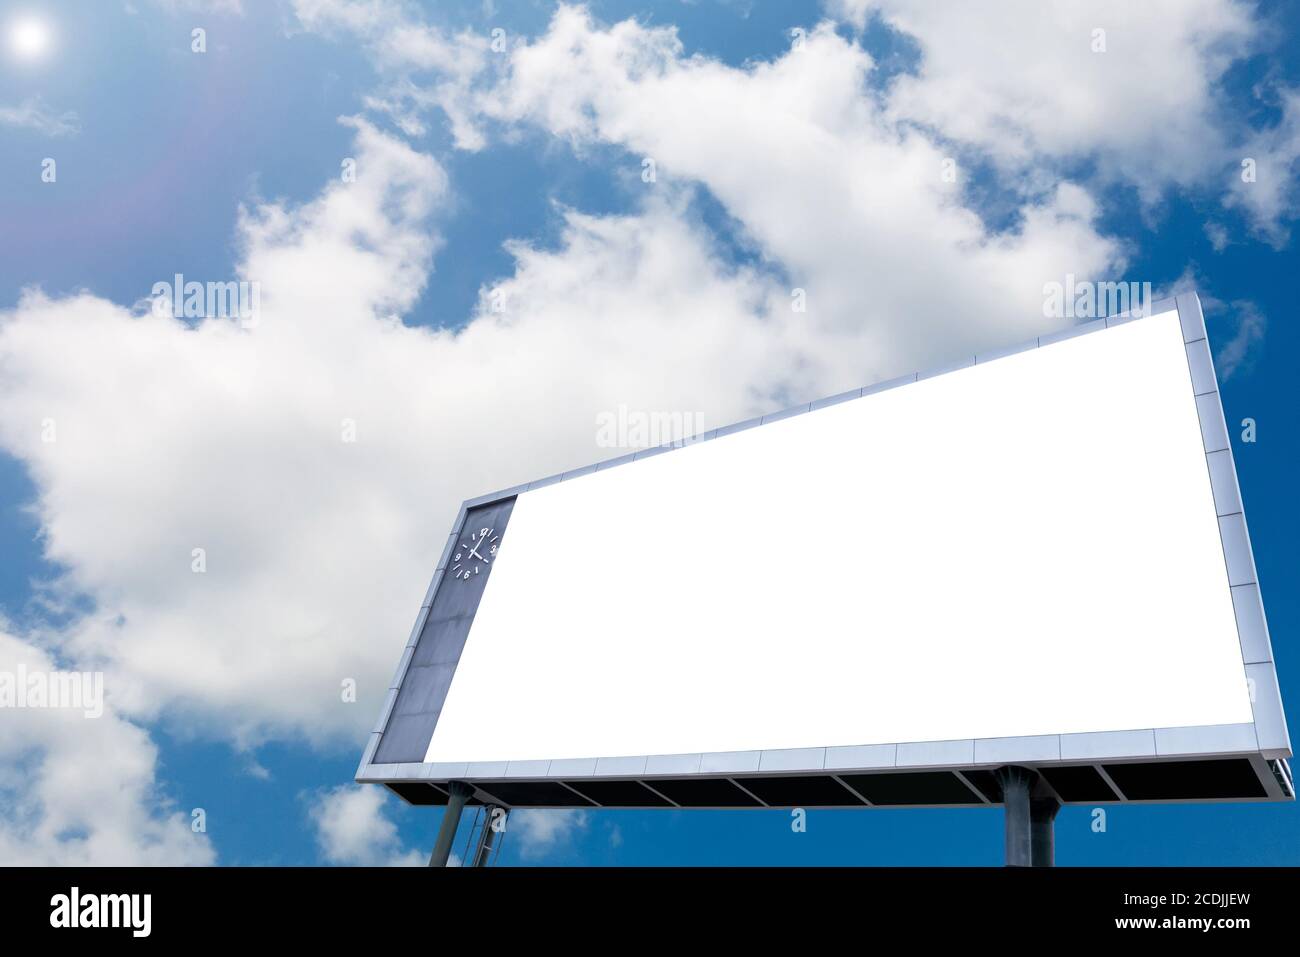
point(1042, 830)
point(460, 793)
point(1016, 783)
point(496, 818)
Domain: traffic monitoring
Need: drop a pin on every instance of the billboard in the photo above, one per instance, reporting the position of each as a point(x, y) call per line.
point(1035, 557)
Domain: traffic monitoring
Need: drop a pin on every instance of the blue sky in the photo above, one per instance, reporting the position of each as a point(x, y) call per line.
point(777, 168)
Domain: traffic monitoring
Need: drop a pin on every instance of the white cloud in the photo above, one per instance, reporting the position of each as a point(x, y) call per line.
point(539, 832)
point(80, 791)
point(1025, 85)
point(1218, 236)
point(854, 209)
point(170, 438)
point(174, 436)
point(351, 829)
point(1269, 191)
point(1249, 325)
point(402, 48)
point(33, 114)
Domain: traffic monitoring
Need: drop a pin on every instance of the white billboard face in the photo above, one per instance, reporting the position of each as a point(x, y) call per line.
point(1024, 547)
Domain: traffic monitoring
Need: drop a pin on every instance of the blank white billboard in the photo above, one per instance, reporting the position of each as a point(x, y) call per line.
point(1023, 547)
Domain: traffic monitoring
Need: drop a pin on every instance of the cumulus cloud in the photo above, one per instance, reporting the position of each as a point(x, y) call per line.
point(148, 436)
point(79, 790)
point(899, 273)
point(352, 829)
point(1130, 85)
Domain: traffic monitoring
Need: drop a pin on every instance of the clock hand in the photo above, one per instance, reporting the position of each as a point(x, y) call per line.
point(474, 551)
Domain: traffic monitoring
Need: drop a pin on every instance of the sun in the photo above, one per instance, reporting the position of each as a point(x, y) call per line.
point(29, 38)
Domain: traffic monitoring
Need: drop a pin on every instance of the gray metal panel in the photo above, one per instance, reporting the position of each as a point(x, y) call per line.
point(1223, 482)
point(1270, 719)
point(936, 753)
point(835, 399)
point(527, 769)
point(729, 762)
point(1099, 745)
point(965, 362)
point(1209, 739)
point(1043, 747)
point(1214, 430)
point(1201, 365)
point(406, 734)
point(424, 689)
point(738, 427)
point(447, 550)
point(616, 767)
point(673, 764)
point(390, 698)
point(543, 482)
point(889, 384)
point(657, 450)
point(402, 664)
point(982, 357)
point(446, 770)
point(1252, 626)
point(792, 759)
point(861, 757)
point(1190, 316)
point(492, 497)
point(426, 669)
point(1236, 549)
point(614, 463)
point(486, 769)
point(786, 413)
point(367, 755)
point(573, 767)
point(1160, 307)
point(442, 642)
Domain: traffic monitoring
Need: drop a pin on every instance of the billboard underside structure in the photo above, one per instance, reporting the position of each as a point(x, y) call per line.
point(1036, 557)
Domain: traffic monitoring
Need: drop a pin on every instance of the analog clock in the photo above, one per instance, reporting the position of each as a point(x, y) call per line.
point(475, 554)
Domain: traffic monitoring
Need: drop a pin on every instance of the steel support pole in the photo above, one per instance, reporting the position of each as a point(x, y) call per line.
point(460, 793)
point(1042, 830)
point(1016, 783)
point(496, 818)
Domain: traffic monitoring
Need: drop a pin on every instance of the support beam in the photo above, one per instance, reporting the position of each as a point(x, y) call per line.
point(492, 825)
point(460, 793)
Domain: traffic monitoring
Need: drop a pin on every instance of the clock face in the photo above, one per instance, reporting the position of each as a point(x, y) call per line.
point(475, 554)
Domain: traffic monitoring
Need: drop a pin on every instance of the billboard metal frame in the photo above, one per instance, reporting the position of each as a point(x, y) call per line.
point(1264, 742)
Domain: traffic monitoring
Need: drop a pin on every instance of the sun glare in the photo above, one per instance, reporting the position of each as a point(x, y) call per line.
point(29, 38)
